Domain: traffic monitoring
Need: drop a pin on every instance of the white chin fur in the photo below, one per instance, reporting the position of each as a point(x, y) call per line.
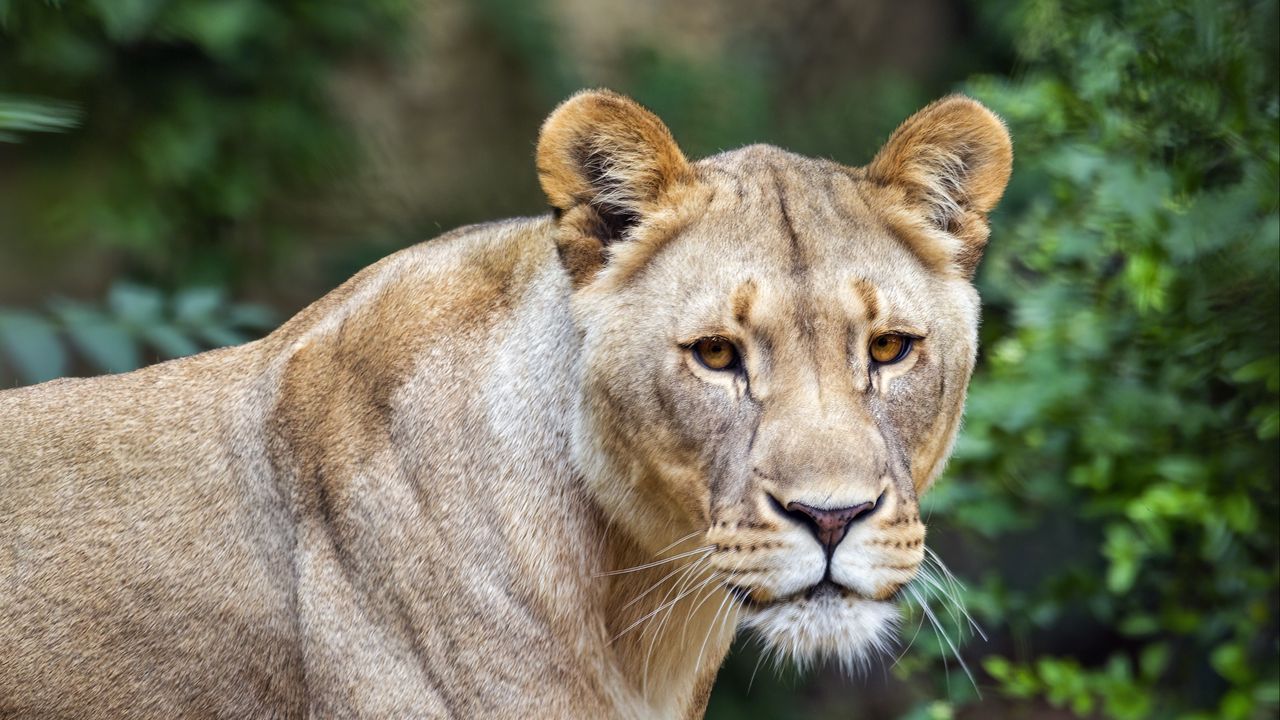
point(846, 630)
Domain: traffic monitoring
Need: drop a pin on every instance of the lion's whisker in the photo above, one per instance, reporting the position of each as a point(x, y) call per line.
point(653, 612)
point(933, 625)
point(685, 579)
point(655, 563)
point(764, 651)
point(711, 627)
point(910, 643)
point(723, 576)
point(956, 590)
point(937, 625)
point(656, 585)
point(694, 609)
point(941, 593)
point(677, 542)
point(677, 589)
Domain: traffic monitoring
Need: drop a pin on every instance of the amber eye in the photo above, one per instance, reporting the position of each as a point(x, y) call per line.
point(716, 353)
point(890, 348)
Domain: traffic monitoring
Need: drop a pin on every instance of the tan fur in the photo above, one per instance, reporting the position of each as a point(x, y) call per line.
point(487, 478)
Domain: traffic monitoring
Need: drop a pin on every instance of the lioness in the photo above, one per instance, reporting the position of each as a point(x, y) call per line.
point(536, 468)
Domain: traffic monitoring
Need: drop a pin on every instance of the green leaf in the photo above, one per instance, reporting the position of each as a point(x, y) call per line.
point(104, 341)
point(127, 20)
point(1232, 662)
point(169, 341)
point(136, 305)
point(1125, 552)
point(32, 345)
point(218, 336)
point(252, 317)
point(1153, 660)
point(197, 305)
point(19, 115)
point(220, 26)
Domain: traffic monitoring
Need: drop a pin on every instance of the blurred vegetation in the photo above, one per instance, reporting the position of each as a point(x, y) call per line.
point(1112, 506)
point(1125, 417)
point(201, 120)
point(26, 115)
point(1115, 487)
point(136, 326)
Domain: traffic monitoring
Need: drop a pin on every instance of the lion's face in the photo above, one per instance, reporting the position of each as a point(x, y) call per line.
point(775, 356)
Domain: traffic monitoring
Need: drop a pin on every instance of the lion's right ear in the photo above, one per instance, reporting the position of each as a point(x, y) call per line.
point(611, 160)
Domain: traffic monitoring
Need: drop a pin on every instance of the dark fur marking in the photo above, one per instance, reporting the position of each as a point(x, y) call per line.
point(742, 300)
point(914, 246)
point(799, 265)
point(403, 619)
point(615, 220)
point(867, 293)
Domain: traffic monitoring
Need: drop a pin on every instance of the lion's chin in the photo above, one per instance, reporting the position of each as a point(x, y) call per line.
point(827, 626)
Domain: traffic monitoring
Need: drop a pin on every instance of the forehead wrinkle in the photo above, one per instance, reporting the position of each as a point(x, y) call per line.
point(805, 305)
point(800, 263)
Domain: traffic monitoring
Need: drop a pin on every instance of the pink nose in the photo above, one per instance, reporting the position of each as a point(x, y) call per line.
point(829, 525)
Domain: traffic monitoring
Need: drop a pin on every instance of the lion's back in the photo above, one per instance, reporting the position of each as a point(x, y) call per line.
point(148, 521)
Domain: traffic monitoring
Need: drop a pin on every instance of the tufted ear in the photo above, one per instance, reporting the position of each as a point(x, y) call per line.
point(952, 159)
point(606, 156)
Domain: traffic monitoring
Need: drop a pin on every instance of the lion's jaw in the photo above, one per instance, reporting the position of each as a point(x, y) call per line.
point(841, 628)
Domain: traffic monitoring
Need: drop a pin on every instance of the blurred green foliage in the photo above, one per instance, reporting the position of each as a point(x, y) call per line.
point(1128, 402)
point(203, 120)
point(137, 325)
point(27, 115)
point(1113, 503)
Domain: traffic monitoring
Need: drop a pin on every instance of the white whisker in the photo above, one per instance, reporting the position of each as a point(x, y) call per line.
point(957, 589)
point(655, 563)
point(656, 585)
point(911, 642)
point(657, 631)
point(724, 574)
point(954, 651)
point(764, 652)
point(677, 542)
point(711, 627)
point(655, 611)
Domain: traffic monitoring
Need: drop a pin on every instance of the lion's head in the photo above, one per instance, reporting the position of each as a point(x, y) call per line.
point(775, 349)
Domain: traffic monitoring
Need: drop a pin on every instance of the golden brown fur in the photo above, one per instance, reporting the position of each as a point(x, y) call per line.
point(427, 494)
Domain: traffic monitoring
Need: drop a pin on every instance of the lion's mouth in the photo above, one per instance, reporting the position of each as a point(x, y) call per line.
point(826, 588)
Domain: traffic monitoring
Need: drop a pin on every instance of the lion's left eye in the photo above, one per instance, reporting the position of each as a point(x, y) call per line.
point(716, 353)
point(890, 348)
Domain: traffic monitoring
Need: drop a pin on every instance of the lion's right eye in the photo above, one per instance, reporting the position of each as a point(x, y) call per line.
point(716, 353)
point(890, 348)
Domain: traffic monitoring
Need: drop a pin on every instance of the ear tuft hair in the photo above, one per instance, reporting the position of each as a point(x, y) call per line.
point(606, 153)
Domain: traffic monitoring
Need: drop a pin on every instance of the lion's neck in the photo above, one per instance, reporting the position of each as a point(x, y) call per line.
point(656, 636)
point(469, 506)
point(669, 625)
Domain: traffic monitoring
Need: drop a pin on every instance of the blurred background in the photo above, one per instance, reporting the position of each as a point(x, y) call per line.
point(177, 175)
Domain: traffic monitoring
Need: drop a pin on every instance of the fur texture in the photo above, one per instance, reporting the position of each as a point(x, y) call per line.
point(488, 477)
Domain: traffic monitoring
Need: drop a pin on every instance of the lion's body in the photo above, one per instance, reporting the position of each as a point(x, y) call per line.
point(467, 482)
point(194, 539)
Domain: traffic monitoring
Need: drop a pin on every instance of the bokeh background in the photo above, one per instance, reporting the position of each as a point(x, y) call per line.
point(181, 174)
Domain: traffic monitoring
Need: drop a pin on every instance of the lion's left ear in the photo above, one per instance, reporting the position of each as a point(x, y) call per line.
point(953, 160)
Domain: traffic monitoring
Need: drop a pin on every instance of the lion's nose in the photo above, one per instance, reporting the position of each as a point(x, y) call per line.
point(829, 525)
